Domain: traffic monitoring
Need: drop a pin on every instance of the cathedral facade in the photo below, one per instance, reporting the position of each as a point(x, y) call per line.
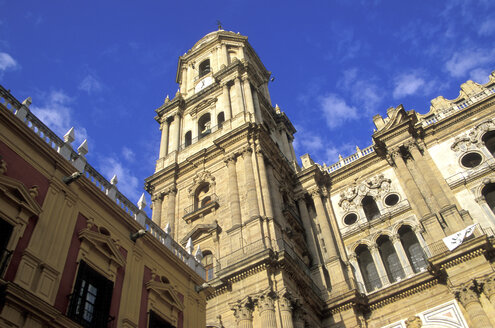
point(397, 235)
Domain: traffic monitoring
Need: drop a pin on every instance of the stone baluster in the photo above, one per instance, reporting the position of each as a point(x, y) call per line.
point(252, 197)
point(235, 207)
point(468, 297)
point(266, 307)
point(285, 304)
point(401, 254)
point(377, 259)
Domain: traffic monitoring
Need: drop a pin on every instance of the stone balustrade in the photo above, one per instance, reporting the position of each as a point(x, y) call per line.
point(21, 110)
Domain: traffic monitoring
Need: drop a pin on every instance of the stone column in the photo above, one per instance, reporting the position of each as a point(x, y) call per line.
point(235, 207)
point(164, 140)
point(266, 307)
point(357, 271)
point(299, 315)
point(377, 259)
point(243, 315)
point(324, 225)
point(156, 216)
point(401, 254)
point(174, 133)
point(171, 192)
point(183, 88)
point(414, 195)
point(265, 188)
point(286, 312)
point(252, 197)
point(248, 96)
point(226, 102)
point(469, 299)
point(489, 289)
point(426, 171)
point(225, 55)
point(308, 230)
point(238, 93)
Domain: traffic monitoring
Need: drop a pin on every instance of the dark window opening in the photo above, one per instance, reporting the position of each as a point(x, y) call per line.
point(91, 298)
point(220, 119)
point(368, 269)
point(391, 199)
point(188, 139)
point(489, 193)
point(390, 259)
point(471, 160)
point(5, 233)
point(204, 68)
point(207, 262)
point(157, 322)
point(350, 218)
point(204, 127)
point(413, 249)
point(370, 208)
point(489, 141)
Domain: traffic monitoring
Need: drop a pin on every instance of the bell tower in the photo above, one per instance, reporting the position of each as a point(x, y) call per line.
point(225, 182)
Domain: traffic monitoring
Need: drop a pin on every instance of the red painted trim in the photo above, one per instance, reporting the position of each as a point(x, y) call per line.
point(70, 268)
point(143, 311)
point(117, 291)
point(21, 170)
point(19, 250)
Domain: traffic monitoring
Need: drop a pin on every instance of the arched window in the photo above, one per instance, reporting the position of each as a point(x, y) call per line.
point(368, 269)
point(413, 249)
point(204, 67)
point(204, 123)
point(207, 262)
point(489, 193)
point(370, 208)
point(202, 198)
point(187, 139)
point(489, 141)
point(220, 119)
point(390, 259)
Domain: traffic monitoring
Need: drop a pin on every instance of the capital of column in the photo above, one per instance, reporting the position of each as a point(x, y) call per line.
point(466, 295)
point(230, 158)
point(489, 286)
point(170, 191)
point(316, 191)
point(352, 257)
point(373, 248)
point(246, 151)
point(266, 302)
point(157, 196)
point(286, 302)
point(243, 310)
point(395, 239)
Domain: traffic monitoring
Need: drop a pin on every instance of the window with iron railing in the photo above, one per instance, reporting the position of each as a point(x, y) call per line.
point(91, 298)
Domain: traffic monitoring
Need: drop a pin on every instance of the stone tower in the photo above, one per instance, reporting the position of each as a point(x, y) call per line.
point(225, 180)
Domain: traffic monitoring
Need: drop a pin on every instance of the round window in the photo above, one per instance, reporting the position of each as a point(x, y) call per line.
point(350, 218)
point(391, 199)
point(471, 160)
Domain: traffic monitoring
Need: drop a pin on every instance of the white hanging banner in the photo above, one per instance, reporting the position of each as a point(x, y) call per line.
point(453, 241)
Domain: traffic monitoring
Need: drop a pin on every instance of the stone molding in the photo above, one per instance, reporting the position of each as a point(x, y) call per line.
point(374, 187)
point(473, 139)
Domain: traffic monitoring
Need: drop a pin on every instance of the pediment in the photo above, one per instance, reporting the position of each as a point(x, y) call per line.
point(17, 192)
point(199, 230)
point(104, 244)
point(396, 116)
point(166, 293)
point(202, 105)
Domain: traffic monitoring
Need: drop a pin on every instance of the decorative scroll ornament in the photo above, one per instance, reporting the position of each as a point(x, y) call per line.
point(201, 178)
point(473, 139)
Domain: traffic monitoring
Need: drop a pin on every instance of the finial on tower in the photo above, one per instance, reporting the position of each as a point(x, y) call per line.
point(219, 24)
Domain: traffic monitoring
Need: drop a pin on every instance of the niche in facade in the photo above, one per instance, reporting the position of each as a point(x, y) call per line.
point(204, 68)
point(204, 125)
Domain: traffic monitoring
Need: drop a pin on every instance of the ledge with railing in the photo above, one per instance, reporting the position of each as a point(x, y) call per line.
point(194, 211)
point(348, 160)
point(393, 277)
point(64, 148)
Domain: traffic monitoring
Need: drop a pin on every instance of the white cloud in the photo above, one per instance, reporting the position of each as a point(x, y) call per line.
point(364, 92)
point(487, 27)
point(407, 84)
point(463, 62)
point(7, 62)
point(90, 84)
point(56, 113)
point(128, 154)
point(128, 183)
point(480, 75)
point(336, 110)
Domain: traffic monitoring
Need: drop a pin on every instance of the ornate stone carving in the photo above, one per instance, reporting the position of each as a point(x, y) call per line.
point(3, 166)
point(472, 139)
point(201, 178)
point(489, 286)
point(170, 190)
point(374, 186)
point(414, 322)
point(266, 302)
point(466, 295)
point(243, 310)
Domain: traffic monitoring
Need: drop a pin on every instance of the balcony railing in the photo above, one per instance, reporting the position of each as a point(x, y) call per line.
point(195, 208)
point(391, 278)
point(439, 247)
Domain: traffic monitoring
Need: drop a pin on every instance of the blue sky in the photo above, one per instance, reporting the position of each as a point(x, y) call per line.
point(104, 66)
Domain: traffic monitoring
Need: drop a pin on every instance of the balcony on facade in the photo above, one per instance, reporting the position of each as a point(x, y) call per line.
point(204, 207)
